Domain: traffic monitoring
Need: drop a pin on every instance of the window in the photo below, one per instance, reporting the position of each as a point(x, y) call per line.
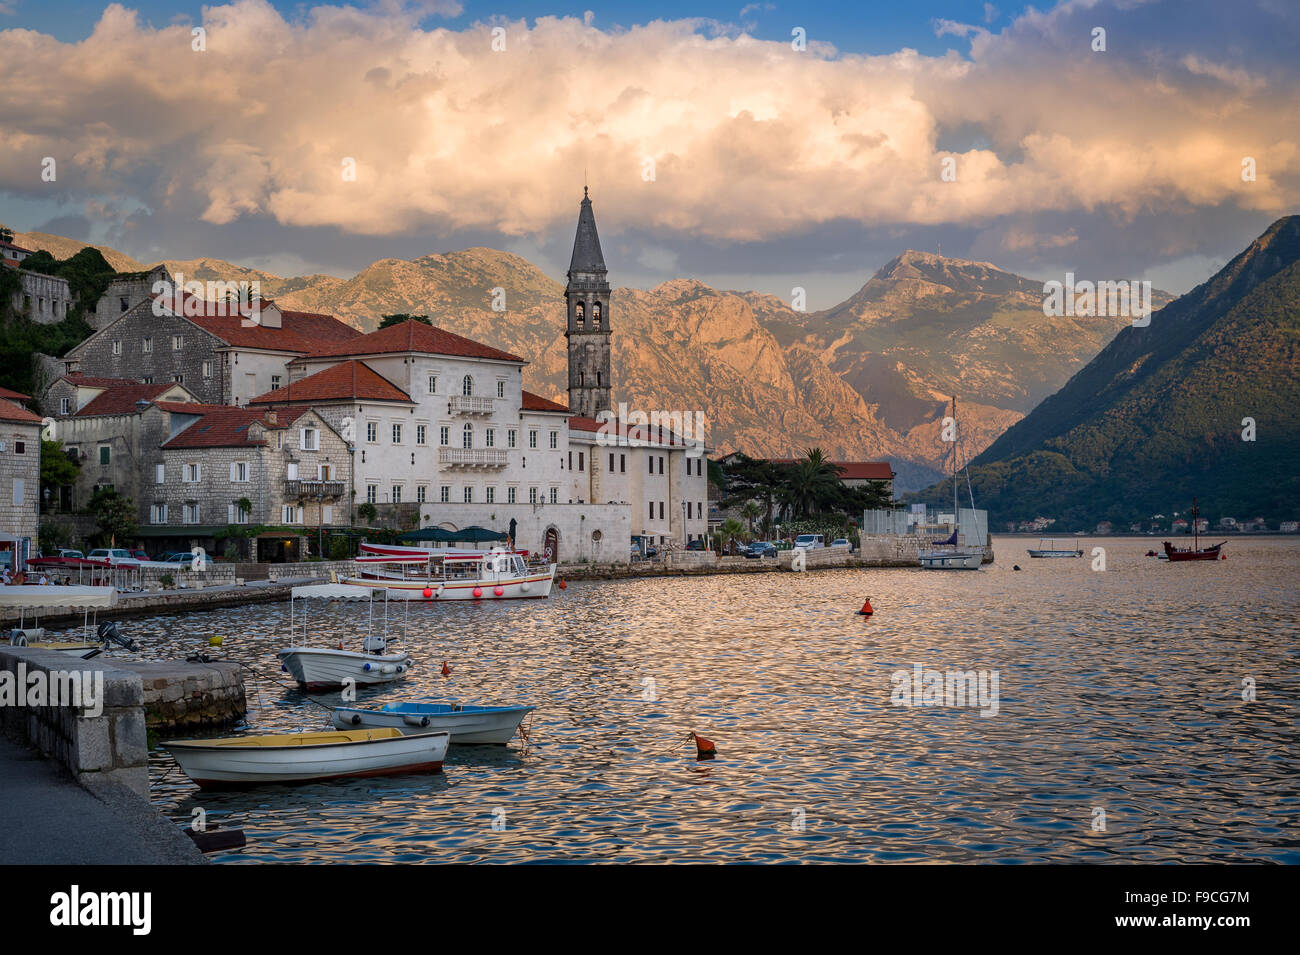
point(117, 346)
point(372, 432)
point(555, 495)
point(239, 472)
point(581, 465)
point(570, 459)
point(191, 473)
point(611, 462)
point(241, 515)
point(661, 510)
point(532, 495)
point(444, 493)
point(20, 491)
point(291, 514)
point(207, 369)
point(490, 438)
point(469, 494)
point(419, 434)
point(324, 472)
point(65, 406)
point(124, 302)
point(491, 495)
point(444, 436)
point(146, 346)
point(397, 434)
point(501, 389)
point(191, 513)
point(555, 440)
point(622, 463)
point(661, 464)
point(467, 437)
point(105, 455)
point(178, 342)
point(421, 492)
point(20, 447)
point(511, 435)
point(158, 514)
point(179, 379)
point(433, 384)
point(275, 382)
point(467, 386)
point(652, 510)
point(372, 493)
point(510, 495)
point(309, 439)
point(651, 461)
point(397, 494)
point(532, 439)
point(147, 379)
point(159, 474)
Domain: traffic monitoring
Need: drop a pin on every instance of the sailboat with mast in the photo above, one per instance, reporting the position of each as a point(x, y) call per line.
point(1195, 552)
point(956, 552)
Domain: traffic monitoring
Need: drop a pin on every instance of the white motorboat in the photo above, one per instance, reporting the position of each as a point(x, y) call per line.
point(964, 548)
point(318, 668)
point(466, 724)
point(50, 598)
point(307, 757)
point(416, 573)
point(1050, 547)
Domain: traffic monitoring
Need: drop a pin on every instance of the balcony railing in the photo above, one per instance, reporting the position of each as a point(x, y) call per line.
point(472, 457)
point(311, 490)
point(471, 404)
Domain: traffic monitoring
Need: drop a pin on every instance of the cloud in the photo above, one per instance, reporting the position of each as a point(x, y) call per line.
point(749, 138)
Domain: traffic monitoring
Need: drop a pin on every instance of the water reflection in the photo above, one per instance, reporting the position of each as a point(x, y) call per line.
point(1120, 690)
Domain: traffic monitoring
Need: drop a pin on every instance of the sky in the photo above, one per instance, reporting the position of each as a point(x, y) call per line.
point(761, 146)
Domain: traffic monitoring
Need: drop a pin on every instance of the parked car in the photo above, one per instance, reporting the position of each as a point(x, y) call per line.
point(65, 552)
point(695, 545)
point(140, 555)
point(182, 558)
point(810, 541)
point(113, 556)
point(842, 542)
point(760, 549)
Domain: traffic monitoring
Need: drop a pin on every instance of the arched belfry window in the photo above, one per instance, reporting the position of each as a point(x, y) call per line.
point(580, 313)
point(467, 386)
point(468, 440)
point(595, 316)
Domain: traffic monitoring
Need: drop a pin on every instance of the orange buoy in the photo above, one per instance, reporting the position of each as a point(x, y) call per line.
point(498, 590)
point(704, 748)
point(340, 644)
point(446, 670)
point(866, 610)
point(428, 592)
point(478, 592)
point(563, 585)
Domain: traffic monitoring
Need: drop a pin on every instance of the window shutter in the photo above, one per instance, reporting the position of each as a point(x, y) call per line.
point(233, 475)
point(230, 511)
point(293, 470)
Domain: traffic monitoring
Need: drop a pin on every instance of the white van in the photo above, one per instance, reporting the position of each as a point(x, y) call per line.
point(810, 541)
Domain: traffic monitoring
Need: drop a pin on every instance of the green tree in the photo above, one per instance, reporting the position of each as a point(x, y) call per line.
point(811, 484)
point(367, 511)
point(115, 518)
point(57, 468)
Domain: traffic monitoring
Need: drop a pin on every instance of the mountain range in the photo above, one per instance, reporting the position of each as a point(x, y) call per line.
point(1200, 403)
point(866, 379)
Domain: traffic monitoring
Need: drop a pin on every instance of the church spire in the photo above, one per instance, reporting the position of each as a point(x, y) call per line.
point(587, 328)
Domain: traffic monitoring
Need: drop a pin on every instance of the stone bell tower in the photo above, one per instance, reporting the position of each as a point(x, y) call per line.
point(587, 329)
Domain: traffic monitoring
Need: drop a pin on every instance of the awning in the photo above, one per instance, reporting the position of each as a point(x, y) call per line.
point(474, 535)
point(336, 592)
point(54, 597)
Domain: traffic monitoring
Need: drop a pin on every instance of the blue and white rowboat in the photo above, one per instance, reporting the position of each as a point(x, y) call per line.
point(466, 724)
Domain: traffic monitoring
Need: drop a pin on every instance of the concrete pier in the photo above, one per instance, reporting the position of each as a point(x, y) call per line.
point(184, 696)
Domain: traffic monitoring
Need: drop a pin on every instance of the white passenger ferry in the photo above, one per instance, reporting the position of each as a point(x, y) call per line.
point(450, 573)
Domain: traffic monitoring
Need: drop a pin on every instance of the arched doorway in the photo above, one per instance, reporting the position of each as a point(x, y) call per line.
point(551, 547)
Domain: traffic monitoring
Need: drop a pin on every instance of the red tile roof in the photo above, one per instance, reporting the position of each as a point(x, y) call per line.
point(415, 337)
point(86, 381)
point(17, 248)
point(300, 332)
point(11, 412)
point(121, 399)
point(221, 426)
point(534, 402)
point(348, 379)
point(855, 470)
point(14, 395)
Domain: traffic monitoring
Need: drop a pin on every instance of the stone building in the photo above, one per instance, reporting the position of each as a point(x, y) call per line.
point(220, 355)
point(125, 292)
point(241, 466)
point(587, 329)
point(44, 299)
point(20, 480)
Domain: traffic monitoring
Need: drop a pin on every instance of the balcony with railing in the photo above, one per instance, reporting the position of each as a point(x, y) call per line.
point(470, 404)
point(313, 490)
point(472, 457)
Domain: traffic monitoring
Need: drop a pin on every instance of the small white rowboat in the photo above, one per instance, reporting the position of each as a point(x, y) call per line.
point(466, 724)
point(307, 757)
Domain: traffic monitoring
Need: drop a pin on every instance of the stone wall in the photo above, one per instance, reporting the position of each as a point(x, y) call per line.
point(110, 746)
point(310, 568)
point(45, 299)
point(187, 696)
point(20, 479)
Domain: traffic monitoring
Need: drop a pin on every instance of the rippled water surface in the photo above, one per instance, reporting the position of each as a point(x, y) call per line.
point(1119, 690)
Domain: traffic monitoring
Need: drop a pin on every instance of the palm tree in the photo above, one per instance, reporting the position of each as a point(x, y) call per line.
point(811, 484)
point(750, 511)
point(729, 530)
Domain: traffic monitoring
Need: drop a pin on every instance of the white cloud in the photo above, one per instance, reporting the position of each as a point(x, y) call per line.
point(750, 139)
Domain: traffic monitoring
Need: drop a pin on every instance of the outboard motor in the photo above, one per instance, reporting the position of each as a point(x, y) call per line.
point(108, 633)
point(375, 644)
